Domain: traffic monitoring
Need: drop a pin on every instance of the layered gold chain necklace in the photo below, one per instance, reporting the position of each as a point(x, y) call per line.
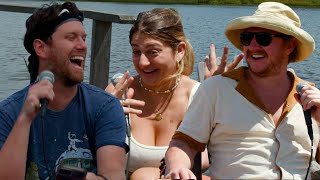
point(161, 92)
point(159, 110)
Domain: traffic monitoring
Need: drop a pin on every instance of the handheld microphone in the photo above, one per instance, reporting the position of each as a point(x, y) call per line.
point(116, 79)
point(44, 102)
point(307, 113)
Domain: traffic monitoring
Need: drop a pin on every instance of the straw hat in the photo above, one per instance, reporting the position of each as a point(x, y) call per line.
point(277, 17)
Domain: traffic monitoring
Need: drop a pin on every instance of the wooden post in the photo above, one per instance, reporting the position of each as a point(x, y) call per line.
point(101, 38)
point(100, 53)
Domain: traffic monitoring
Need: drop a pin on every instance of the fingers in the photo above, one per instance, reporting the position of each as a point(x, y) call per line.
point(123, 84)
point(235, 62)
point(183, 173)
point(211, 63)
point(120, 88)
point(224, 58)
point(212, 57)
point(110, 88)
point(40, 90)
point(211, 66)
point(129, 103)
point(130, 93)
point(129, 110)
point(132, 102)
point(206, 71)
point(309, 97)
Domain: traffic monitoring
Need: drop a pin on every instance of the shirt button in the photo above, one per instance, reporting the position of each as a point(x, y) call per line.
point(278, 135)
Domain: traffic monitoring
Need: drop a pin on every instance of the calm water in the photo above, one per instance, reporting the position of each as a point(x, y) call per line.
point(203, 25)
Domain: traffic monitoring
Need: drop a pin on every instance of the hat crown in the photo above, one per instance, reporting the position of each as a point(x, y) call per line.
point(278, 10)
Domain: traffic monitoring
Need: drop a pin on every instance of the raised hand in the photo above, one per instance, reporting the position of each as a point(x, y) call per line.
point(125, 94)
point(121, 87)
point(211, 67)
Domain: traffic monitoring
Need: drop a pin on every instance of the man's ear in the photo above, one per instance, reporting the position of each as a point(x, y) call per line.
point(40, 48)
point(181, 50)
point(292, 44)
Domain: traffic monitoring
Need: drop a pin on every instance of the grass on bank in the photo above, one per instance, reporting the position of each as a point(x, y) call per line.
point(309, 3)
point(305, 3)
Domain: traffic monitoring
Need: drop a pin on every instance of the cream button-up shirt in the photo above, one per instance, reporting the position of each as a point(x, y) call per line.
point(241, 136)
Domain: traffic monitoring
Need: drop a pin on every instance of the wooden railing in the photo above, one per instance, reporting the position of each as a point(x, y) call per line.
point(101, 38)
point(100, 47)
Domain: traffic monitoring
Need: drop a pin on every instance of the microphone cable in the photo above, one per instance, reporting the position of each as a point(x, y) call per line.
point(42, 119)
point(307, 116)
point(310, 160)
point(128, 132)
point(115, 80)
point(308, 119)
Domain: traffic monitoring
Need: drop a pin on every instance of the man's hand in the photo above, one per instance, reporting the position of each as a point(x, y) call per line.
point(309, 98)
point(40, 90)
point(211, 67)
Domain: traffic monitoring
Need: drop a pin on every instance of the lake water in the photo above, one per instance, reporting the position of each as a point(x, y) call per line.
point(203, 25)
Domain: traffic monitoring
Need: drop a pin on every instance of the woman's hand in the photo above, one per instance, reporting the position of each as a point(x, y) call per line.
point(211, 67)
point(125, 94)
point(182, 173)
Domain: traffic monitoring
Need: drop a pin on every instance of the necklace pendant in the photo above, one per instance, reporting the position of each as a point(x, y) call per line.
point(158, 117)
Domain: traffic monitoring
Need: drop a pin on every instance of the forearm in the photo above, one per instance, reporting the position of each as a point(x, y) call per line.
point(13, 153)
point(111, 162)
point(116, 175)
point(179, 155)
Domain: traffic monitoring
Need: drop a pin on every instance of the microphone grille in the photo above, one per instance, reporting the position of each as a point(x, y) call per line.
point(46, 75)
point(116, 78)
point(300, 86)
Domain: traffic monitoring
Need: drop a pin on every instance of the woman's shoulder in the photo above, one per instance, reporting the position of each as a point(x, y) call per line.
point(188, 83)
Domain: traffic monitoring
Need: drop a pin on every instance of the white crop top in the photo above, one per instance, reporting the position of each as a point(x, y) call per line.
point(149, 156)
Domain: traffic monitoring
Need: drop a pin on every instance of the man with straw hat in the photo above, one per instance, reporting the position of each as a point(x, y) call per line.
point(252, 119)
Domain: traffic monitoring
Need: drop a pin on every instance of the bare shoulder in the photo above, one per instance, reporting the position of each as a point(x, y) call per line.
point(187, 84)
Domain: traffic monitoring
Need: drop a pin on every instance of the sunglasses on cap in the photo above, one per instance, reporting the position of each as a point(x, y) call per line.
point(262, 38)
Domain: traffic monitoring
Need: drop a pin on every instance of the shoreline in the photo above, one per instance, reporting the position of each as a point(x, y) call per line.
point(292, 3)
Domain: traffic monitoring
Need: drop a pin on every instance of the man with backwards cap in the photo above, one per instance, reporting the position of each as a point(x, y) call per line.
point(251, 119)
point(83, 125)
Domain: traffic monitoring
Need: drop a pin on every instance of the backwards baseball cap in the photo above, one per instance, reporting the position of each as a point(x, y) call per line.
point(43, 29)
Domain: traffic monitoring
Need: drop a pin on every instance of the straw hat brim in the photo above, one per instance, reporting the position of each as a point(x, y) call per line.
point(305, 45)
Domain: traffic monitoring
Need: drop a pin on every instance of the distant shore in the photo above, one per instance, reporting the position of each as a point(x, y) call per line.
point(300, 3)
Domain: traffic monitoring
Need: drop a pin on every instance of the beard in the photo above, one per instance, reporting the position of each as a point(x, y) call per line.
point(72, 80)
point(68, 79)
point(269, 71)
point(274, 67)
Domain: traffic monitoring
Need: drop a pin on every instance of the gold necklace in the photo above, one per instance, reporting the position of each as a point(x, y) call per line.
point(161, 92)
point(158, 112)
